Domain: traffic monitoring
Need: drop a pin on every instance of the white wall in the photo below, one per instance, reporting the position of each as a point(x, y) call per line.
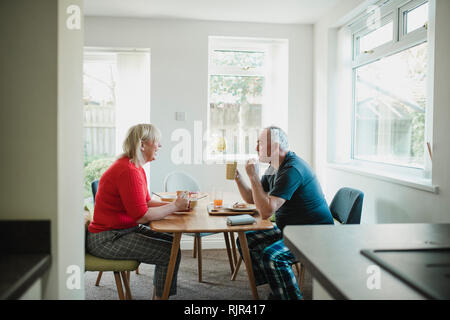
point(385, 202)
point(179, 79)
point(41, 130)
point(70, 222)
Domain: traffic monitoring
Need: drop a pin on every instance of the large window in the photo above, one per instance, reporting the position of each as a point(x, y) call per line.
point(390, 63)
point(244, 90)
point(116, 94)
point(99, 95)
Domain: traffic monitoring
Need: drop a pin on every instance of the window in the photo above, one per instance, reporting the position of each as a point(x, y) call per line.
point(376, 38)
point(416, 18)
point(99, 96)
point(243, 87)
point(390, 63)
point(116, 95)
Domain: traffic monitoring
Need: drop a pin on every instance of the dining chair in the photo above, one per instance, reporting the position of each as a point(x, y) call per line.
point(346, 208)
point(179, 180)
point(120, 268)
point(94, 188)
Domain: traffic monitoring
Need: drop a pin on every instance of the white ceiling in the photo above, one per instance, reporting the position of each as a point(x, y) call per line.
point(268, 11)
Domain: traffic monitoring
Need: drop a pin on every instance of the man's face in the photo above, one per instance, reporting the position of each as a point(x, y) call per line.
point(263, 146)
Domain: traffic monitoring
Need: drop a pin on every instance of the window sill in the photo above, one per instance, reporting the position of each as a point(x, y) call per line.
point(239, 158)
point(415, 182)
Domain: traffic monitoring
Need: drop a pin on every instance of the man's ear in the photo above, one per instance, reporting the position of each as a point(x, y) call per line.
point(274, 154)
point(274, 148)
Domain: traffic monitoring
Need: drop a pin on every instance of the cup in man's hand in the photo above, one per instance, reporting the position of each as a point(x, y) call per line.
point(231, 170)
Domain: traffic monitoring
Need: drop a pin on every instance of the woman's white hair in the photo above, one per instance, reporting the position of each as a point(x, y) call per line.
point(278, 135)
point(137, 135)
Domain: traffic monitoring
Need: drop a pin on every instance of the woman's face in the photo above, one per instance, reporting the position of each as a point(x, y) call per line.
point(150, 150)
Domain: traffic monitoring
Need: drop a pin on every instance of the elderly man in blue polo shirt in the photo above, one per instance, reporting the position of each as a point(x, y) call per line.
point(290, 189)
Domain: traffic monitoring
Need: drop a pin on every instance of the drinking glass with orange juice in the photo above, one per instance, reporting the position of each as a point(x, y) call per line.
point(217, 198)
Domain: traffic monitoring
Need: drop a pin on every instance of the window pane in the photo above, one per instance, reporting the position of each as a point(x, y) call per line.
point(376, 38)
point(235, 89)
point(390, 101)
point(242, 59)
point(99, 95)
point(235, 113)
point(416, 18)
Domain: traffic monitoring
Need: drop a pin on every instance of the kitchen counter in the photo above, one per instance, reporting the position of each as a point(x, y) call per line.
point(332, 254)
point(18, 272)
point(24, 256)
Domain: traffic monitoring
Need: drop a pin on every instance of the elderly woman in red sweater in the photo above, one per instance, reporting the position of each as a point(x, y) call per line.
point(123, 205)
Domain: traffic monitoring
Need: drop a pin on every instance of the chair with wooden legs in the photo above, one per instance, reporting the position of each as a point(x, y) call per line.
point(120, 268)
point(197, 250)
point(178, 180)
point(94, 187)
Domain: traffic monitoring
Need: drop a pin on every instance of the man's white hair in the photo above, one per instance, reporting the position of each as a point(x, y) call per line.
point(278, 135)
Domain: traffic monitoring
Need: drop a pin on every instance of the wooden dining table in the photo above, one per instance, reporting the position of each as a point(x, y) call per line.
point(198, 220)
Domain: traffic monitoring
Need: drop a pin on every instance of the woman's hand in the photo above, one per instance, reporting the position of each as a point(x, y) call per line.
point(181, 203)
point(163, 209)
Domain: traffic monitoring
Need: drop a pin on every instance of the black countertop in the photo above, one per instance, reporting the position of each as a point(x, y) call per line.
point(332, 254)
point(18, 272)
point(24, 255)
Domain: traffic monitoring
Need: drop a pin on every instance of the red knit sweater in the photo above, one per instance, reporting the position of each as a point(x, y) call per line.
point(121, 197)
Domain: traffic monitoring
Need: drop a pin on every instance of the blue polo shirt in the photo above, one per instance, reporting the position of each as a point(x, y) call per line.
point(295, 182)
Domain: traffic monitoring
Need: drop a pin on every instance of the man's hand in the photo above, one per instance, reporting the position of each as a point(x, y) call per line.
point(252, 168)
point(238, 176)
point(244, 190)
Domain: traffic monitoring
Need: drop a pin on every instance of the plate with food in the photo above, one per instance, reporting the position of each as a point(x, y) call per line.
point(172, 196)
point(241, 206)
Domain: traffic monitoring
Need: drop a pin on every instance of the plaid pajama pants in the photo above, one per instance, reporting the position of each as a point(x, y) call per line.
point(138, 243)
point(272, 263)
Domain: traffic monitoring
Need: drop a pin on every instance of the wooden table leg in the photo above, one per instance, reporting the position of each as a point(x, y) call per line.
point(236, 269)
point(248, 263)
point(199, 257)
point(233, 246)
point(172, 262)
point(230, 257)
point(194, 249)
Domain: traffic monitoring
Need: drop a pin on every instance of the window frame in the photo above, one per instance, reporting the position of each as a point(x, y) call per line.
point(366, 31)
point(403, 11)
point(395, 10)
point(235, 44)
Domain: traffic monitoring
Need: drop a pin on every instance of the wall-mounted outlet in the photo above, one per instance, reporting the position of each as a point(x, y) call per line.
point(180, 116)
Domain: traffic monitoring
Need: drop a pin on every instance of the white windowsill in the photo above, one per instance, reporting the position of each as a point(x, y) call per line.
point(416, 183)
point(221, 159)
